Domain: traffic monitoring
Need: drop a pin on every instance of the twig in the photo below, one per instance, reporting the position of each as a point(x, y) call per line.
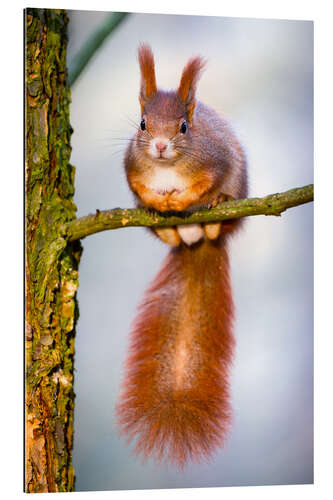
point(273, 204)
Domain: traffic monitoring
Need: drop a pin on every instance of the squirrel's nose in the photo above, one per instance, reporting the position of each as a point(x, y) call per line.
point(160, 146)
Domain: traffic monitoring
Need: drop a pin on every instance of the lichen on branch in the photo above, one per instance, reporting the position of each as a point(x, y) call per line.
point(115, 218)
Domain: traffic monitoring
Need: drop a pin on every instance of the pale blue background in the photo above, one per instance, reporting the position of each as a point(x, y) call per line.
point(259, 74)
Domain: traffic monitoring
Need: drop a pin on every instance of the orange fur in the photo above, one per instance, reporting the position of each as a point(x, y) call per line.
point(147, 68)
point(201, 189)
point(175, 397)
point(188, 83)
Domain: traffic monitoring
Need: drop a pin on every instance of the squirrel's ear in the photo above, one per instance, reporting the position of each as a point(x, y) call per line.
point(188, 83)
point(147, 69)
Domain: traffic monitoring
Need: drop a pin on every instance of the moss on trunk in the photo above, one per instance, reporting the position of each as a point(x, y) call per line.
point(51, 264)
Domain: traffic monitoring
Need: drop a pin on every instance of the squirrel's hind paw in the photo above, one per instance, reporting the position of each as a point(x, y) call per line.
point(212, 230)
point(169, 235)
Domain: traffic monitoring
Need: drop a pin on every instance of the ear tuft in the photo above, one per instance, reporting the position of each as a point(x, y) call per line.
point(188, 83)
point(147, 69)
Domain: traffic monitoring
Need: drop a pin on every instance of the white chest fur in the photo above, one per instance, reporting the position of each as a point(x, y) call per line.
point(166, 180)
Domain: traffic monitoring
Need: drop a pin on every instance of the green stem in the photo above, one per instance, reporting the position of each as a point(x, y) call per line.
point(88, 49)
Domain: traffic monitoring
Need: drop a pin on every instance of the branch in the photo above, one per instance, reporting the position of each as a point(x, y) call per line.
point(88, 49)
point(273, 204)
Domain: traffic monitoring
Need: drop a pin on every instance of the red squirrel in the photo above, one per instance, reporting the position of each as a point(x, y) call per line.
point(184, 156)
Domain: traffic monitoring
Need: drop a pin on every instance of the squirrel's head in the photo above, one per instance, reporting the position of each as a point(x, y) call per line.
point(166, 117)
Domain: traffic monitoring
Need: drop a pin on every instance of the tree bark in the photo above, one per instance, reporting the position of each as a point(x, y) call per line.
point(51, 263)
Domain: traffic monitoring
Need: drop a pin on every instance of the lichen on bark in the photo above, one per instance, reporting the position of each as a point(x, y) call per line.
point(51, 263)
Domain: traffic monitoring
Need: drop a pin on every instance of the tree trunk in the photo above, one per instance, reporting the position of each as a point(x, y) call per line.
point(51, 264)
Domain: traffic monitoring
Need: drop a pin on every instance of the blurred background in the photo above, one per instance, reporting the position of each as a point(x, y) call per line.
point(260, 76)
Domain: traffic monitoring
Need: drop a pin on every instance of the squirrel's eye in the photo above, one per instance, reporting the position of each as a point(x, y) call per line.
point(143, 124)
point(183, 127)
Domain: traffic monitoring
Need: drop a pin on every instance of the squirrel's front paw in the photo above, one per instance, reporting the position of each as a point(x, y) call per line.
point(179, 201)
point(159, 202)
point(162, 203)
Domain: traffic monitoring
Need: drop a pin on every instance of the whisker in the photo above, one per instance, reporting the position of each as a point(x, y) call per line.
point(189, 154)
point(133, 123)
point(117, 152)
point(124, 139)
point(189, 151)
point(144, 143)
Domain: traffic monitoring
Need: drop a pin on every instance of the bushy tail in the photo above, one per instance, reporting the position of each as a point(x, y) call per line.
point(175, 399)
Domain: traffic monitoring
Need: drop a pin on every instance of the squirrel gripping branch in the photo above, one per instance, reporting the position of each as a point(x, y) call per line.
point(175, 398)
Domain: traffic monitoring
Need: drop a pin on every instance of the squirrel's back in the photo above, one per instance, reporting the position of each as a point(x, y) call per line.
point(220, 146)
